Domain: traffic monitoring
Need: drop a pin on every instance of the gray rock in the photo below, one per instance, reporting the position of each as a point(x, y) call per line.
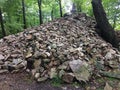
point(37, 63)
point(54, 46)
point(17, 61)
point(37, 75)
point(46, 60)
point(68, 77)
point(61, 73)
point(1, 57)
point(37, 54)
point(42, 79)
point(1, 62)
point(53, 73)
point(80, 70)
point(4, 71)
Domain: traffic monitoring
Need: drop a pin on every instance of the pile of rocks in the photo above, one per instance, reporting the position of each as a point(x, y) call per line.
point(68, 47)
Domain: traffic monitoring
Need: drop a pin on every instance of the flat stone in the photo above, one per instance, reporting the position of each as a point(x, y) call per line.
point(29, 37)
point(33, 71)
point(1, 62)
point(29, 54)
point(80, 70)
point(37, 75)
point(108, 55)
point(37, 54)
point(1, 57)
point(37, 63)
point(42, 79)
point(53, 73)
point(17, 61)
point(68, 77)
point(46, 60)
point(61, 73)
point(3, 71)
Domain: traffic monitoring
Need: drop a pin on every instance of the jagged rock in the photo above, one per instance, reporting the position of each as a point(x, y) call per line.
point(17, 61)
point(21, 65)
point(108, 87)
point(29, 54)
point(108, 55)
point(42, 79)
point(68, 47)
point(37, 54)
point(37, 64)
point(68, 77)
point(1, 62)
point(64, 66)
point(46, 60)
point(1, 57)
point(33, 71)
point(53, 73)
point(111, 74)
point(4, 71)
point(80, 70)
point(37, 75)
point(29, 37)
point(41, 69)
point(61, 73)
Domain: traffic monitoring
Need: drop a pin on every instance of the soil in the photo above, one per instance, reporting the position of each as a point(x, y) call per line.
point(23, 81)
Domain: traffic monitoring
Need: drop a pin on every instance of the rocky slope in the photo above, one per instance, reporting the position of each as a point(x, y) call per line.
point(68, 48)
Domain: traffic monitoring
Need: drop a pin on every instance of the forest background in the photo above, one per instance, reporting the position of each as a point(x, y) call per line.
point(17, 15)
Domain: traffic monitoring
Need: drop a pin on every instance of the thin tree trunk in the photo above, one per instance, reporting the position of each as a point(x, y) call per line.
point(114, 22)
point(2, 24)
point(60, 6)
point(24, 15)
point(106, 30)
point(40, 11)
point(52, 14)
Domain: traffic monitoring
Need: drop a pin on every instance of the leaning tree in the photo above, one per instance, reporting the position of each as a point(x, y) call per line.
point(105, 29)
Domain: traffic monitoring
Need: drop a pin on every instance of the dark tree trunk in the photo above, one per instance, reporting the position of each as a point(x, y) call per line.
point(52, 14)
point(60, 6)
point(2, 24)
point(114, 21)
point(40, 11)
point(106, 30)
point(24, 15)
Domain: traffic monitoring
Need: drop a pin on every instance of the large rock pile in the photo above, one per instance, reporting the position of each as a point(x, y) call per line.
point(68, 47)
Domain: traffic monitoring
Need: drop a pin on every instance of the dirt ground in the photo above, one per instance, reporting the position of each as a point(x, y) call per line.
point(23, 81)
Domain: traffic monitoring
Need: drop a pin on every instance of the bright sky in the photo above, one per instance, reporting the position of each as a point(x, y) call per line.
point(67, 4)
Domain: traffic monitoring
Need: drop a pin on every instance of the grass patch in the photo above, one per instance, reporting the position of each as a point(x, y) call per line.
point(56, 82)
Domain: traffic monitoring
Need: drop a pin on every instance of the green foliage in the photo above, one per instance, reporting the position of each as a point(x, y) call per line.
point(13, 16)
point(84, 6)
point(56, 81)
point(112, 8)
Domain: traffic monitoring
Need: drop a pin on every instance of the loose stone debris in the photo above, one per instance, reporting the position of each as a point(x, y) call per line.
point(68, 48)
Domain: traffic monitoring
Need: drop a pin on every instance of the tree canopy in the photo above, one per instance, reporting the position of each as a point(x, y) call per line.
point(14, 21)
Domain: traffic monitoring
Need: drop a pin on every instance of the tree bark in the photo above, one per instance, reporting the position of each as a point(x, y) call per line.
point(24, 15)
point(52, 14)
point(40, 11)
point(114, 21)
point(106, 30)
point(2, 24)
point(60, 6)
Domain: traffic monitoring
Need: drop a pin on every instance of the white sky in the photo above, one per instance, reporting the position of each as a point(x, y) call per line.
point(67, 4)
